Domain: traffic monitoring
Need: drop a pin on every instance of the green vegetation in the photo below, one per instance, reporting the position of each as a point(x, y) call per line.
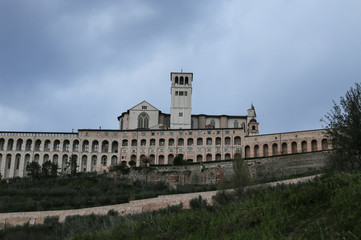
point(327, 208)
point(344, 130)
point(83, 190)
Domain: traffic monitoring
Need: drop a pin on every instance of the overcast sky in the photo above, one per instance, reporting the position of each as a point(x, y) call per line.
point(79, 64)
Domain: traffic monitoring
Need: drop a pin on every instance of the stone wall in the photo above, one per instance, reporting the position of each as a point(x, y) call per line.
point(266, 168)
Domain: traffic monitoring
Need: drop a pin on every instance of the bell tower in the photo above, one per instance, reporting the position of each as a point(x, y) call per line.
point(181, 104)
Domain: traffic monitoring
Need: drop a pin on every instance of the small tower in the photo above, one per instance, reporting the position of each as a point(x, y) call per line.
point(181, 105)
point(252, 122)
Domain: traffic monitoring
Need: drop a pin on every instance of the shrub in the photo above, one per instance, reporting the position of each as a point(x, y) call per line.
point(198, 203)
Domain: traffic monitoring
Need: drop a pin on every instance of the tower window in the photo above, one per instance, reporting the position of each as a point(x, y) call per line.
point(176, 80)
point(186, 81)
point(185, 93)
point(180, 93)
point(144, 107)
point(176, 93)
point(181, 114)
point(181, 81)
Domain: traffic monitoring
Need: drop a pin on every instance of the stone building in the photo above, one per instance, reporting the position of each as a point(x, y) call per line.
point(146, 132)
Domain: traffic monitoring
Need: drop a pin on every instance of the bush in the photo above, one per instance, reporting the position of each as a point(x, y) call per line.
point(198, 203)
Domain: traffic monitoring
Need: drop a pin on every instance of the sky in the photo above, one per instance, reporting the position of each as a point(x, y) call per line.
point(68, 64)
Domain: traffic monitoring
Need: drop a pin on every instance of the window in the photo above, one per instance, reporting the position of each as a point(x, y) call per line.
point(227, 132)
point(185, 93)
point(153, 133)
point(143, 120)
point(235, 124)
point(134, 134)
point(125, 134)
point(143, 133)
point(144, 107)
point(218, 132)
point(181, 114)
point(176, 93)
point(180, 132)
point(106, 134)
point(180, 93)
point(162, 133)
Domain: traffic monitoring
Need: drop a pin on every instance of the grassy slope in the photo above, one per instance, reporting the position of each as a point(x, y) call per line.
point(328, 208)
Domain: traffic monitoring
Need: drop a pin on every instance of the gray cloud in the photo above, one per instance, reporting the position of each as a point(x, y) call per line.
point(79, 64)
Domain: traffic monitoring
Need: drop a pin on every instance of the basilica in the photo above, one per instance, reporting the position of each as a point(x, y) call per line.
point(147, 133)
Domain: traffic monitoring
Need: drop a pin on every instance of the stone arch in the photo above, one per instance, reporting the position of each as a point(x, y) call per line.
point(2, 144)
point(180, 142)
point(274, 149)
point(85, 146)
point(152, 142)
point(170, 159)
point(209, 141)
point(171, 142)
point(218, 141)
point(161, 159)
point(186, 81)
point(181, 80)
point(143, 120)
point(64, 163)
point(105, 146)
point(19, 144)
point(76, 145)
point(218, 157)
point(56, 159)
point(56, 147)
point(84, 162)
point(37, 158)
point(125, 142)
point(114, 160)
point(314, 145)
point(45, 158)
point(17, 165)
point(115, 147)
point(26, 162)
point(94, 163)
point(227, 156)
point(133, 158)
point(104, 160)
point(294, 147)
point(237, 140)
point(95, 146)
point(256, 150)
point(66, 145)
point(143, 142)
point(190, 142)
point(134, 142)
point(247, 152)
point(199, 158)
point(7, 166)
point(162, 142)
point(304, 146)
point(265, 150)
point(28, 145)
point(199, 141)
point(151, 159)
point(227, 141)
point(10, 144)
point(37, 146)
point(284, 148)
point(324, 143)
point(209, 157)
point(47, 145)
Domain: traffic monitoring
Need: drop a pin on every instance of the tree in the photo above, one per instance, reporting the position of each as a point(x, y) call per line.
point(132, 163)
point(49, 169)
point(241, 176)
point(33, 170)
point(344, 131)
point(178, 160)
point(73, 165)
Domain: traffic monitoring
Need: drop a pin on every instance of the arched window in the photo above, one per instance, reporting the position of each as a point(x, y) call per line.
point(265, 150)
point(247, 151)
point(143, 120)
point(304, 146)
point(176, 80)
point(253, 128)
point(294, 147)
point(256, 151)
point(274, 149)
point(235, 124)
point(324, 144)
point(284, 148)
point(181, 81)
point(186, 81)
point(314, 145)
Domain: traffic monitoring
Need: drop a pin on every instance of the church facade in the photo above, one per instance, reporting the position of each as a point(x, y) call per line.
point(147, 133)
